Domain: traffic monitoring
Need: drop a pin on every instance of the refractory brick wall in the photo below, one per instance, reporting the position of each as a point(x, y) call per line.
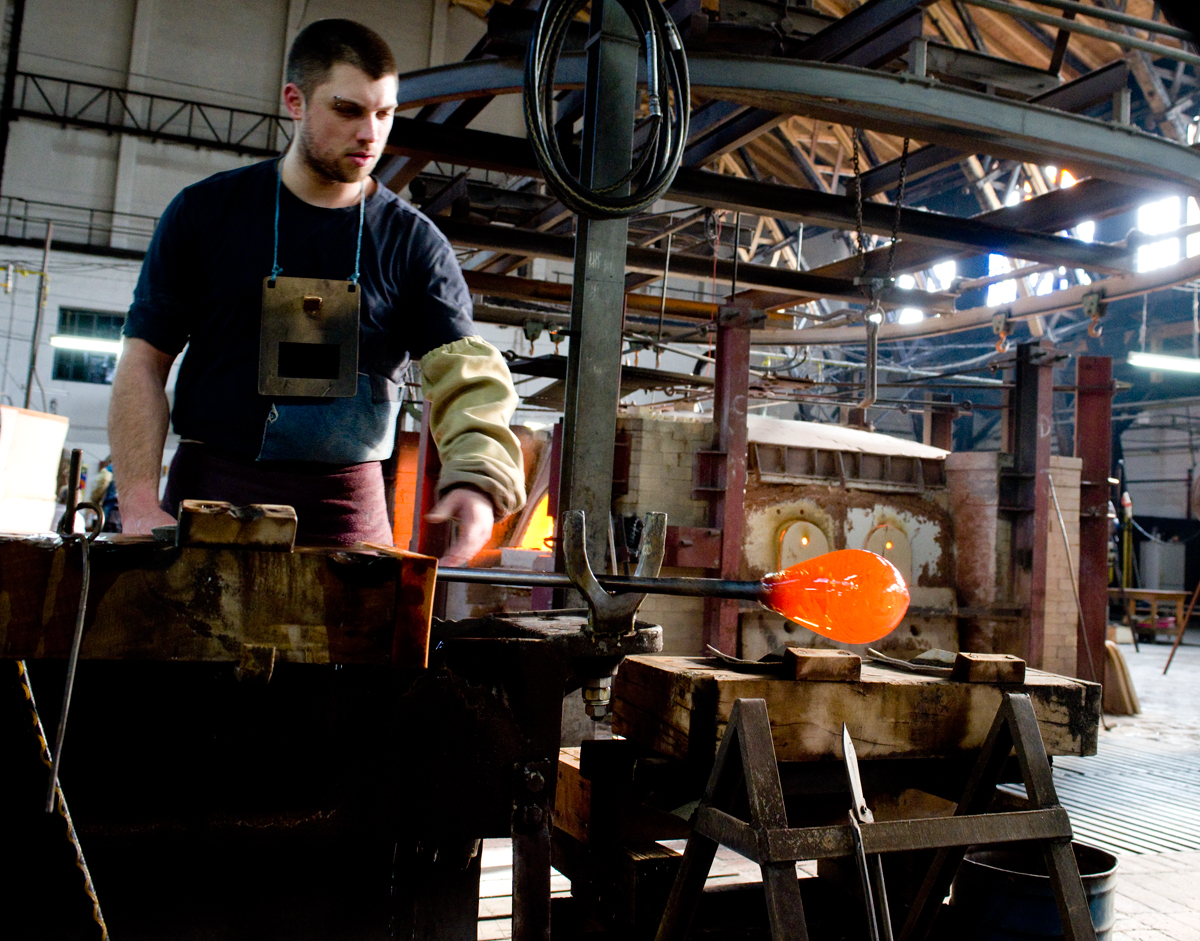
point(1062, 614)
point(662, 449)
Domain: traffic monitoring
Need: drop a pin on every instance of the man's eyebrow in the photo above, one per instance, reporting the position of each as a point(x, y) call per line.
point(341, 99)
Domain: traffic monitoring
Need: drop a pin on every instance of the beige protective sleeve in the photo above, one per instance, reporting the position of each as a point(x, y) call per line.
point(470, 391)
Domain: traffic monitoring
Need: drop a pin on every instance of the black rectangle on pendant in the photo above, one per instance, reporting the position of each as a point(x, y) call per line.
point(309, 360)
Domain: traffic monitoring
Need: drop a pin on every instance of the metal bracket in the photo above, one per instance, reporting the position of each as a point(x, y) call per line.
point(736, 315)
point(610, 615)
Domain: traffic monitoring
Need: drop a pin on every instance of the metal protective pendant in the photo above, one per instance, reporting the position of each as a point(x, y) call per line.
point(308, 340)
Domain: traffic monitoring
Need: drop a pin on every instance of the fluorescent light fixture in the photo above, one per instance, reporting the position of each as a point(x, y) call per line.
point(1158, 361)
point(85, 344)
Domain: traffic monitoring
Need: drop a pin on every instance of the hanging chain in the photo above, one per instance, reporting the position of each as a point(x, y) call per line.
point(858, 215)
point(871, 287)
point(891, 265)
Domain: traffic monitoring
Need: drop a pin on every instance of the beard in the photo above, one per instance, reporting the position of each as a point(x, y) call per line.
point(328, 166)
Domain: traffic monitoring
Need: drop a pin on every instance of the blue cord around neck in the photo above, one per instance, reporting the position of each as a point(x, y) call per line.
point(277, 270)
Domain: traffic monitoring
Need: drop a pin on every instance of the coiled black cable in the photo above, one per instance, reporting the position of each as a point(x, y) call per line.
point(669, 92)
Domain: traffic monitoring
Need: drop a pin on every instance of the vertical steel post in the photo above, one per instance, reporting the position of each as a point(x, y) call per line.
point(1029, 493)
point(10, 79)
point(1093, 444)
point(728, 508)
point(38, 313)
point(598, 293)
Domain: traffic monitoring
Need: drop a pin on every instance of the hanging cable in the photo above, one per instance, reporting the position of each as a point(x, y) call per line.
point(669, 92)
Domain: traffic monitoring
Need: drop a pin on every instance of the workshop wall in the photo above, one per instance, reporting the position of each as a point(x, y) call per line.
point(661, 449)
point(1062, 613)
point(222, 52)
point(992, 619)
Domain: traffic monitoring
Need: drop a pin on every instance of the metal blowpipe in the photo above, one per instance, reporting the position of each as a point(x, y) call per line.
point(851, 595)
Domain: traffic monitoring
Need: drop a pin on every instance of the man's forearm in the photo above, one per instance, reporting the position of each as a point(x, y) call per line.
point(138, 417)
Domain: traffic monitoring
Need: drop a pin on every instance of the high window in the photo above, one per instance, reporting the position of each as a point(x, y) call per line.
point(86, 345)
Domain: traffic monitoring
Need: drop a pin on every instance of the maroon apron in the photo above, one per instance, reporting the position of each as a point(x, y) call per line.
point(336, 505)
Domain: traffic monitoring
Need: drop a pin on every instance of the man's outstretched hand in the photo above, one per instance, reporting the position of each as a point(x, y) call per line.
point(476, 516)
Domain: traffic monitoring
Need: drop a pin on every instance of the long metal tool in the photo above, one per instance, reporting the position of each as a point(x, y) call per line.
point(66, 529)
point(879, 919)
point(692, 587)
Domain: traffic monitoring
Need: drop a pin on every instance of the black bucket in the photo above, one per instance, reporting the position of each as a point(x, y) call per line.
point(1005, 894)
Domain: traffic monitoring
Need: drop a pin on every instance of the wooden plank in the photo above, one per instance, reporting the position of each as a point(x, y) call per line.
point(149, 601)
point(822, 665)
point(988, 668)
point(572, 797)
point(681, 705)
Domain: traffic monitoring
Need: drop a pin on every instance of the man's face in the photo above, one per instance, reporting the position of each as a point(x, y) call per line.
point(344, 122)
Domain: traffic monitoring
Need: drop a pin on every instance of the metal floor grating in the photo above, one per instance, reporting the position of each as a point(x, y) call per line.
point(1132, 798)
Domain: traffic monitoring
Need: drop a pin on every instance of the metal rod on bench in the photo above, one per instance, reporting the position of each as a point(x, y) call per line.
point(694, 587)
point(851, 595)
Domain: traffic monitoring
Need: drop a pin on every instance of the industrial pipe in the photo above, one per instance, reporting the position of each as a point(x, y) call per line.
point(1096, 32)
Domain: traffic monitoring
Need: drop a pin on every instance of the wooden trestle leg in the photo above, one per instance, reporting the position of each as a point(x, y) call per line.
point(746, 777)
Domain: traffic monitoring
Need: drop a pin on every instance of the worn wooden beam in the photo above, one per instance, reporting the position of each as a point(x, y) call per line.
point(152, 601)
point(681, 705)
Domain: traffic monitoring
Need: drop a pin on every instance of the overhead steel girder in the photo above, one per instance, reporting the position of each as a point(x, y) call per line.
point(951, 233)
point(1023, 308)
point(652, 261)
point(899, 104)
point(944, 234)
point(1050, 212)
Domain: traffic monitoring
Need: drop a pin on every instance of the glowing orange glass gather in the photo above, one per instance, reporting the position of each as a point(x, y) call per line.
point(852, 596)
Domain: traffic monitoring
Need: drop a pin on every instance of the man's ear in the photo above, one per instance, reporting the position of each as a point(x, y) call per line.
point(293, 100)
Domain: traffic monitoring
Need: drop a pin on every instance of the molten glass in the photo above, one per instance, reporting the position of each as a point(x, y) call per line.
point(852, 596)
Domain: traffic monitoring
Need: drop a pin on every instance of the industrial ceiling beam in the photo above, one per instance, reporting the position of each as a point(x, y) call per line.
point(948, 233)
point(652, 261)
point(723, 191)
point(1075, 96)
point(555, 292)
point(1057, 210)
point(1023, 308)
point(900, 104)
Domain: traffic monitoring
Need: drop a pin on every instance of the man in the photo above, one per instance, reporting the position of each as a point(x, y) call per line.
point(216, 279)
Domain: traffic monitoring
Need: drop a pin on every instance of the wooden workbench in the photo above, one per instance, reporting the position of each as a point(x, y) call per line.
point(1152, 597)
point(674, 705)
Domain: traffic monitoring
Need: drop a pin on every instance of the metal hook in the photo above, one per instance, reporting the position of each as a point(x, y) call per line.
point(610, 615)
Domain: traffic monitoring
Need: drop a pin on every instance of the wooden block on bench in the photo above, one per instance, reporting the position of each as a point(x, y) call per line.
point(988, 668)
point(815, 664)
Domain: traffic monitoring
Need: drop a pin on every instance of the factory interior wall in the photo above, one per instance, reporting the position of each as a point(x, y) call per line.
point(228, 52)
point(1062, 613)
point(1158, 458)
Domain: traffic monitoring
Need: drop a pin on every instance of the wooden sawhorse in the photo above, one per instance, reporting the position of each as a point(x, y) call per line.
point(746, 758)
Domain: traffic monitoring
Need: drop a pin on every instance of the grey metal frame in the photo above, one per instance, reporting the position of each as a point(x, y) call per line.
point(899, 104)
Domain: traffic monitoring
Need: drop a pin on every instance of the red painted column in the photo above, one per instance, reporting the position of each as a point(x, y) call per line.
point(728, 507)
point(1093, 444)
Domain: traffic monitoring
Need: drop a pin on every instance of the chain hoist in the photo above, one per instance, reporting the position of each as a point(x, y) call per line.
point(873, 287)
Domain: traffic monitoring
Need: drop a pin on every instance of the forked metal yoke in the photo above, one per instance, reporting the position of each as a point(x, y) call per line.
point(611, 615)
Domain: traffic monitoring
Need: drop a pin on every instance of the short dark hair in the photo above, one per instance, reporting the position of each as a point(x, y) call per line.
point(323, 44)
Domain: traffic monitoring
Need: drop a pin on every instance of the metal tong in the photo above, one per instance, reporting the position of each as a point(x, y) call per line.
point(870, 872)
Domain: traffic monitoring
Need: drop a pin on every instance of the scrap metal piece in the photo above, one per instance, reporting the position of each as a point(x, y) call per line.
point(217, 524)
point(67, 529)
point(610, 615)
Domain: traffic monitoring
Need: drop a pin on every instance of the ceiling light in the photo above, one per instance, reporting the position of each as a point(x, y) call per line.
point(1159, 361)
point(86, 344)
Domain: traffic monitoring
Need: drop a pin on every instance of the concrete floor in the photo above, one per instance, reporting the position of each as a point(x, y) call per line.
point(1148, 768)
point(1139, 798)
